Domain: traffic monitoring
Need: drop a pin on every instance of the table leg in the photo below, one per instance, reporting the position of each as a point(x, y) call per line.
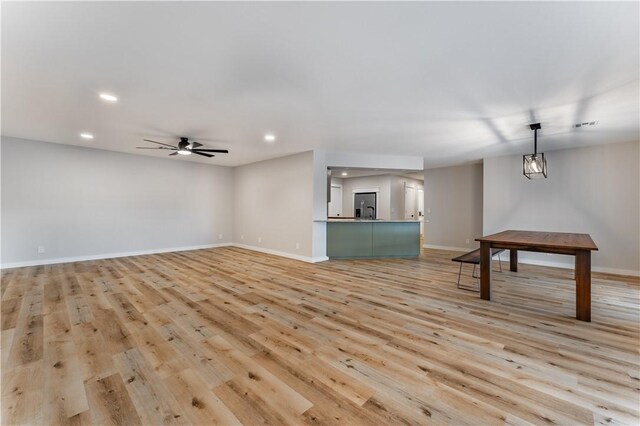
point(485, 271)
point(513, 260)
point(583, 285)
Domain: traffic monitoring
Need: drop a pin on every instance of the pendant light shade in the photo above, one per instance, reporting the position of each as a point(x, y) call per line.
point(534, 165)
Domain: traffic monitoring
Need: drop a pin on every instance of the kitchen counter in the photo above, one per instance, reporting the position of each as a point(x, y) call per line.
point(368, 220)
point(372, 239)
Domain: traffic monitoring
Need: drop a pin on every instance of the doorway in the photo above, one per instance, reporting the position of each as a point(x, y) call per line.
point(335, 206)
point(409, 201)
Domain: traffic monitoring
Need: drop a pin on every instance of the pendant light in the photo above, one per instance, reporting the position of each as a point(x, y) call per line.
point(534, 165)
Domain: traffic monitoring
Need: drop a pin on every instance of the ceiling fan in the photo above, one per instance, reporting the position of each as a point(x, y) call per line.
point(184, 148)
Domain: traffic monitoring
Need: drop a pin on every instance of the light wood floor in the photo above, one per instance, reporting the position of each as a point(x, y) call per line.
point(230, 336)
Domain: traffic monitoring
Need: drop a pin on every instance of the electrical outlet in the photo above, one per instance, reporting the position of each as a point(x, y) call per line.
point(259, 239)
point(220, 236)
point(40, 249)
point(467, 241)
point(297, 246)
point(242, 237)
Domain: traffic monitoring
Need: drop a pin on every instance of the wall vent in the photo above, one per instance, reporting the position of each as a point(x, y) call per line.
point(586, 123)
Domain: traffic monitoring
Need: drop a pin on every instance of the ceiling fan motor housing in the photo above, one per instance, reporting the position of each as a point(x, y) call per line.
point(184, 143)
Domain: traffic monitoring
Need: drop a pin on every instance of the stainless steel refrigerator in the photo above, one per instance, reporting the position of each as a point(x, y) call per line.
point(364, 205)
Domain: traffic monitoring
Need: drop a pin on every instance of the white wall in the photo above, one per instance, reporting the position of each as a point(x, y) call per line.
point(323, 159)
point(274, 207)
point(80, 202)
point(371, 161)
point(380, 183)
point(453, 207)
point(390, 195)
point(593, 190)
point(319, 229)
point(397, 198)
point(85, 203)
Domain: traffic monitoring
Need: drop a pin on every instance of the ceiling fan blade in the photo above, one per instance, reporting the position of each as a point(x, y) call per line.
point(222, 151)
point(156, 147)
point(202, 153)
point(195, 144)
point(159, 143)
point(174, 153)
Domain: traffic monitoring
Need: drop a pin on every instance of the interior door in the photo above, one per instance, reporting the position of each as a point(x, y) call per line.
point(420, 196)
point(335, 206)
point(364, 205)
point(409, 201)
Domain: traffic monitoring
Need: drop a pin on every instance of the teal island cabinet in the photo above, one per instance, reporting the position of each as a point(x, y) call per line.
point(373, 239)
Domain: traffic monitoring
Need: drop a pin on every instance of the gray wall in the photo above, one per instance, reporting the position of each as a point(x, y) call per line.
point(273, 206)
point(453, 206)
point(593, 190)
point(80, 202)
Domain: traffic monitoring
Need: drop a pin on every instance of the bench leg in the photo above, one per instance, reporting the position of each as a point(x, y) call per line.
point(500, 261)
point(477, 277)
point(473, 274)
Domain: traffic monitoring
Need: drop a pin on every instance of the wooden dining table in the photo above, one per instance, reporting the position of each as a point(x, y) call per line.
point(578, 245)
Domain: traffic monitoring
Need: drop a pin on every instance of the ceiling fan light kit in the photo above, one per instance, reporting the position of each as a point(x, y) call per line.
point(534, 165)
point(184, 148)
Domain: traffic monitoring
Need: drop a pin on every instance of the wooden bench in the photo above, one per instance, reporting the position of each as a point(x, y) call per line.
point(473, 257)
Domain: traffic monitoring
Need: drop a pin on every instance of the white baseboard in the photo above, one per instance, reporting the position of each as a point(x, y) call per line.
point(282, 253)
point(433, 246)
point(39, 262)
point(566, 265)
point(307, 259)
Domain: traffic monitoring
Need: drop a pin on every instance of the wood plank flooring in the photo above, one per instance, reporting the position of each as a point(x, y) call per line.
point(229, 336)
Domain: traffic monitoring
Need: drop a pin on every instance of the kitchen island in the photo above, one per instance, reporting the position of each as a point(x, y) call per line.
point(372, 239)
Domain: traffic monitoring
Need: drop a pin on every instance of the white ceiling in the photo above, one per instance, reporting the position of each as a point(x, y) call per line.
point(453, 82)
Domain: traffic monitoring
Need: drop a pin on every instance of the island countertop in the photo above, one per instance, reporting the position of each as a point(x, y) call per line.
point(367, 220)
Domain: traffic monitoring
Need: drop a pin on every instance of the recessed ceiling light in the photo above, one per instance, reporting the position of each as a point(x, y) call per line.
point(344, 174)
point(269, 137)
point(109, 98)
point(86, 135)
